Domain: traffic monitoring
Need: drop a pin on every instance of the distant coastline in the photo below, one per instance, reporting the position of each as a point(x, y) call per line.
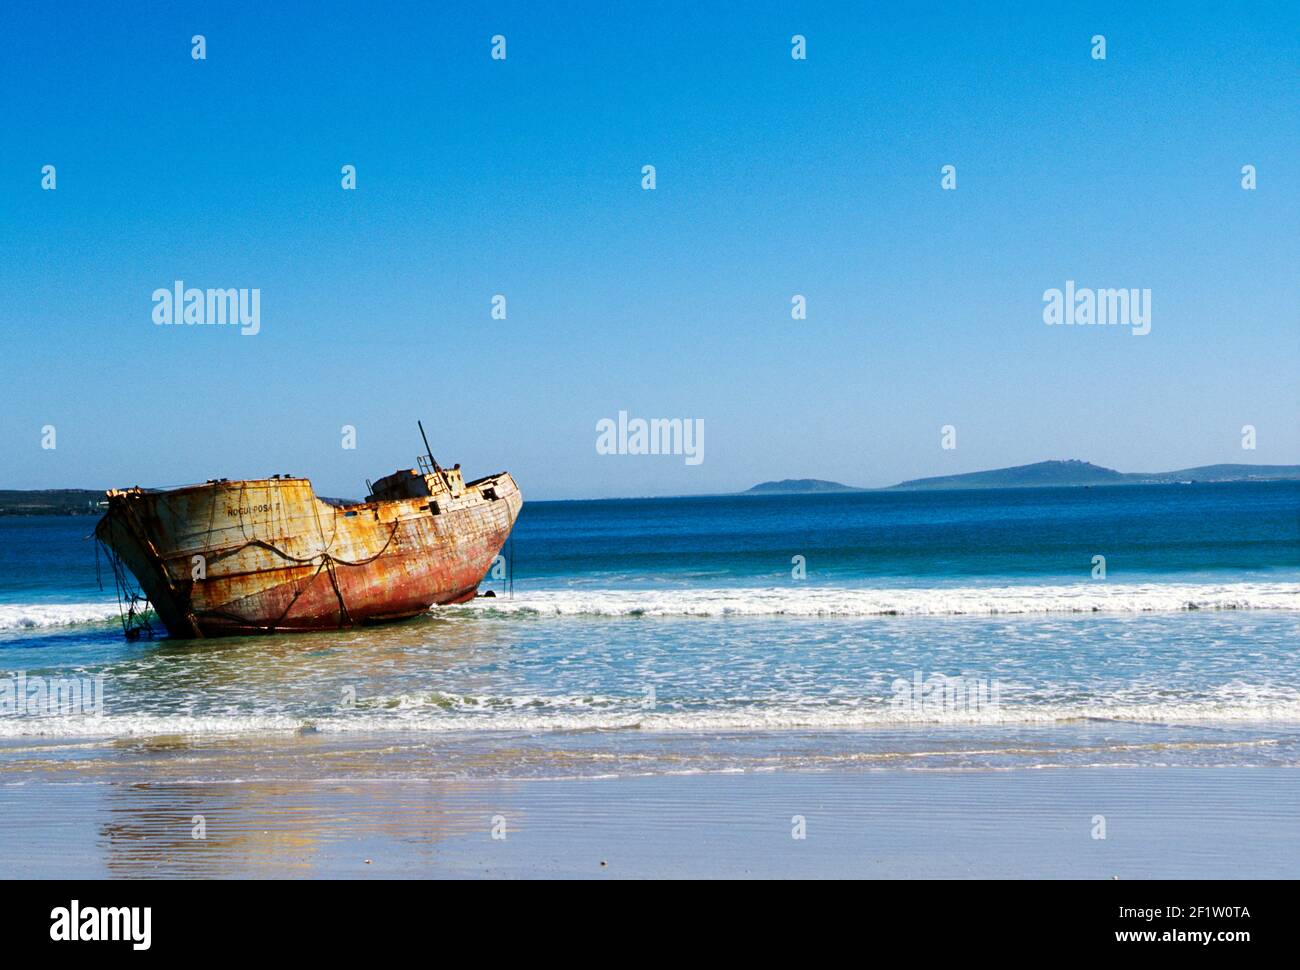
point(800, 486)
point(1044, 474)
point(52, 501)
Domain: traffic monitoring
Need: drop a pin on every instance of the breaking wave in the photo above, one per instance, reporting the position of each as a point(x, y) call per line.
point(35, 616)
point(538, 719)
point(811, 601)
point(1098, 597)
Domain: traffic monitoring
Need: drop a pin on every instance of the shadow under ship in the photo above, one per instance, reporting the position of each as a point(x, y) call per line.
point(268, 555)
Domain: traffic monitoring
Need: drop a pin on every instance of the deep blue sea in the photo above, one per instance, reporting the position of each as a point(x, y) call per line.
point(961, 628)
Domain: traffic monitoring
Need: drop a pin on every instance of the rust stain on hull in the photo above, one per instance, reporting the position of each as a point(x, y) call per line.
point(268, 555)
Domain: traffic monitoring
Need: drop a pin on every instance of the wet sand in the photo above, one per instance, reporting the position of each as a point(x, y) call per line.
point(894, 823)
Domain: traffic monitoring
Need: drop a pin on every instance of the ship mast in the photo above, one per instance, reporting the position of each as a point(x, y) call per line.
point(432, 461)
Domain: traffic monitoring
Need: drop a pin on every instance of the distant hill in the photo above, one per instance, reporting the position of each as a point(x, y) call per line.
point(1221, 473)
point(1075, 472)
point(1043, 473)
point(798, 486)
point(51, 501)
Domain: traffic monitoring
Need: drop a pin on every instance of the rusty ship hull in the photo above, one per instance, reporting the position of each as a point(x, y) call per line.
point(264, 556)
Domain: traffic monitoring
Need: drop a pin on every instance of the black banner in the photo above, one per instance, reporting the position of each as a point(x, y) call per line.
point(231, 919)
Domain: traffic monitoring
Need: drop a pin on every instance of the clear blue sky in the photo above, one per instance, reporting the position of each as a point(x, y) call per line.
point(522, 177)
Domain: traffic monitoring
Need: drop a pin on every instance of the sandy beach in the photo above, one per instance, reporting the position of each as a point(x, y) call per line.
point(368, 818)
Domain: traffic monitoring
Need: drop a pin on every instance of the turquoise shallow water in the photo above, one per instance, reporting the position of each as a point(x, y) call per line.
point(682, 635)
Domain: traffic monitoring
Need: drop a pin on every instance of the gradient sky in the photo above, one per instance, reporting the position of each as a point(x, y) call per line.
point(522, 177)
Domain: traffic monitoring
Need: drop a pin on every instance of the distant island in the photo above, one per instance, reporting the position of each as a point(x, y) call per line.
point(78, 501)
point(1045, 474)
point(798, 486)
point(52, 501)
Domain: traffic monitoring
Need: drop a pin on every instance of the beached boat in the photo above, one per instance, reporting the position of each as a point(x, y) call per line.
point(267, 555)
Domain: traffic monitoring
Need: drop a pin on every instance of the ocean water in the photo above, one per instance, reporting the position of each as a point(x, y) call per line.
point(953, 630)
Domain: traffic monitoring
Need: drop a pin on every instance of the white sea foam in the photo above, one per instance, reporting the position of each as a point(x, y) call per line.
point(1098, 597)
point(148, 725)
point(537, 719)
point(35, 616)
point(793, 600)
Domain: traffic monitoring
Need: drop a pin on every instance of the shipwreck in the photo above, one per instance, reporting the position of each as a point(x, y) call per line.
point(268, 555)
